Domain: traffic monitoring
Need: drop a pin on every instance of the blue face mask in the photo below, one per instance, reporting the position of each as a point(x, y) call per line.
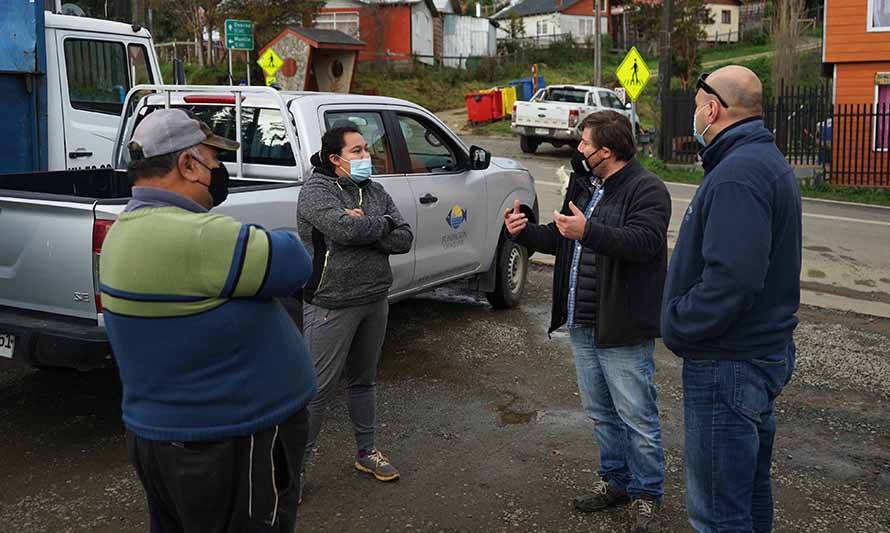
point(699, 137)
point(360, 169)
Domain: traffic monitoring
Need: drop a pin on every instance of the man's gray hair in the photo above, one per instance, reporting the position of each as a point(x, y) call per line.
point(157, 166)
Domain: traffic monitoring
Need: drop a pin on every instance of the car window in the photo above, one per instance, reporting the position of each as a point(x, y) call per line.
point(571, 96)
point(97, 75)
point(370, 123)
point(263, 134)
point(139, 70)
point(610, 100)
point(428, 147)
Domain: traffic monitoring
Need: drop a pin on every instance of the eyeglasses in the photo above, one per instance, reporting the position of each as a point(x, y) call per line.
point(703, 85)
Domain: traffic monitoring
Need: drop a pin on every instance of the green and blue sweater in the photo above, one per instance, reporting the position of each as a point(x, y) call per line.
point(204, 350)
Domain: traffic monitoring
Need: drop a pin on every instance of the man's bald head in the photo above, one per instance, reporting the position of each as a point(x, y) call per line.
point(742, 92)
point(741, 89)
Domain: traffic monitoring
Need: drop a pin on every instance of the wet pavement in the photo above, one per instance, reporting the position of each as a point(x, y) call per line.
point(480, 411)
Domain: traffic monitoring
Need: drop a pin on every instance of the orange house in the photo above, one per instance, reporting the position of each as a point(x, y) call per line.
point(856, 53)
point(393, 30)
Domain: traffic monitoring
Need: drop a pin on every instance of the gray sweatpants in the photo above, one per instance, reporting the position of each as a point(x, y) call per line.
point(350, 340)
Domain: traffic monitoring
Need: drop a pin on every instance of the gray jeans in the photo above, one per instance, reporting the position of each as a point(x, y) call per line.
point(346, 340)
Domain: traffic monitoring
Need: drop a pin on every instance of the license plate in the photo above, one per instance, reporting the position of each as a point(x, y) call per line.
point(7, 345)
point(542, 131)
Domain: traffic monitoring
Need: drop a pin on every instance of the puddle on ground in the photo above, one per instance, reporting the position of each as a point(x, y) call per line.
point(511, 414)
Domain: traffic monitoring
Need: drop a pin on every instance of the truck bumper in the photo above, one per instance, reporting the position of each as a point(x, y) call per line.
point(43, 339)
point(567, 135)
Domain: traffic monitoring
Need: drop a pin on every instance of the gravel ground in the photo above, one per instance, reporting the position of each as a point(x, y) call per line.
point(480, 411)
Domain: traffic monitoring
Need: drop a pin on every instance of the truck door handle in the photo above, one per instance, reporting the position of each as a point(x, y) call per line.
point(428, 199)
point(75, 155)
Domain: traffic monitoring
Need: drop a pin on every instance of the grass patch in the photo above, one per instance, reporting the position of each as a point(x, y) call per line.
point(694, 175)
point(500, 128)
point(847, 194)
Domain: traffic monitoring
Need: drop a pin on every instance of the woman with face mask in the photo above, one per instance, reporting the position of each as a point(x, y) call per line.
point(350, 226)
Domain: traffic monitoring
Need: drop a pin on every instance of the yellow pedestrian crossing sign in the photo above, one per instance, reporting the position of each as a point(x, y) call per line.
point(269, 62)
point(633, 73)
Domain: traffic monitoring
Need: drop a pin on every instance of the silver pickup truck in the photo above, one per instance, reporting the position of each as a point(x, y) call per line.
point(454, 196)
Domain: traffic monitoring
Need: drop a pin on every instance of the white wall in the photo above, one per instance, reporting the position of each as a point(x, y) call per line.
point(719, 31)
point(467, 37)
point(422, 33)
point(572, 24)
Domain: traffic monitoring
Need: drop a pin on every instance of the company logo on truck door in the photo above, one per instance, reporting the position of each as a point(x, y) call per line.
point(456, 217)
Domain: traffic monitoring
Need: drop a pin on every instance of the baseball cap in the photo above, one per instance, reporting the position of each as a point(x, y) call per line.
point(165, 131)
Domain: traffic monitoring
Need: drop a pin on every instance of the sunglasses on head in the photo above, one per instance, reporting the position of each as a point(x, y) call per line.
point(703, 85)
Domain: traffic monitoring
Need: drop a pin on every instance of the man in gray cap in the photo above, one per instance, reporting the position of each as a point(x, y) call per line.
point(215, 375)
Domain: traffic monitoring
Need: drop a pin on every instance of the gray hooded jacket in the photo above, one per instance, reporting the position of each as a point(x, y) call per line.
point(350, 255)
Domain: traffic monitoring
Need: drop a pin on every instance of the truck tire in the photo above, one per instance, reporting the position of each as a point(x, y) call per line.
point(511, 275)
point(528, 144)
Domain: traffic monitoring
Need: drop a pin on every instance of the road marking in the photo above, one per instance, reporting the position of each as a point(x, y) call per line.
point(814, 215)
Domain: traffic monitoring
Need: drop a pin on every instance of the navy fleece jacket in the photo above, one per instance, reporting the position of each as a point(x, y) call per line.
point(733, 284)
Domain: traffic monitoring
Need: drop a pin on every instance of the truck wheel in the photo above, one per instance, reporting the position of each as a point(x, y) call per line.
point(512, 271)
point(528, 144)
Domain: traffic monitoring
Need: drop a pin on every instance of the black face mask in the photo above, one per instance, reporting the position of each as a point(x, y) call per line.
point(579, 165)
point(219, 183)
point(598, 163)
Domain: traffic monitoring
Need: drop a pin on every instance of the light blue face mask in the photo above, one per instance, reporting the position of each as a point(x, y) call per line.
point(360, 169)
point(699, 137)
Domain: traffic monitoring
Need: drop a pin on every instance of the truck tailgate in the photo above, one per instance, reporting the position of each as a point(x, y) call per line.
point(543, 114)
point(46, 255)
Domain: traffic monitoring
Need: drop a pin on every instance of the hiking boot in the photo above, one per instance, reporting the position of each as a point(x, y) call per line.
point(603, 496)
point(376, 464)
point(644, 515)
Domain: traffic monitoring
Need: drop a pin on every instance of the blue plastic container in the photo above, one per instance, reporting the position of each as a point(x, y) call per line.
point(525, 88)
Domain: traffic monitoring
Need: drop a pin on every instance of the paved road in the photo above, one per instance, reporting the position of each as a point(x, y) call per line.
point(846, 247)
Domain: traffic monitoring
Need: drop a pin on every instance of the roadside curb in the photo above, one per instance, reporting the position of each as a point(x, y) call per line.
point(807, 297)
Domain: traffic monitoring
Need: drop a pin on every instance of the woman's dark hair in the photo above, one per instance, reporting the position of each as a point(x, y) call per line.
point(332, 143)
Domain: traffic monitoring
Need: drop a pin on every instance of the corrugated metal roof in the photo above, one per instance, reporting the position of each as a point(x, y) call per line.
point(536, 7)
point(327, 36)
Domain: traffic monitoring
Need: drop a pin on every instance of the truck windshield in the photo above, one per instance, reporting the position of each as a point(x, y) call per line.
point(571, 96)
point(263, 134)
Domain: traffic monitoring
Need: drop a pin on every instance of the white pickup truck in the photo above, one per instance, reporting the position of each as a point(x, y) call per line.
point(454, 196)
point(554, 113)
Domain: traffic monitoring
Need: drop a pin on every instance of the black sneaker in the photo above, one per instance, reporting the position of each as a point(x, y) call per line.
point(644, 516)
point(602, 497)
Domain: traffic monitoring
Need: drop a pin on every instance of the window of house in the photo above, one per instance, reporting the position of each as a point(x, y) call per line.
point(882, 118)
point(879, 15)
point(347, 22)
point(727, 16)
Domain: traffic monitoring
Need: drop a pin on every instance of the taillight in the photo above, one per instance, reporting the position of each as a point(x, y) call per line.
point(574, 116)
point(100, 231)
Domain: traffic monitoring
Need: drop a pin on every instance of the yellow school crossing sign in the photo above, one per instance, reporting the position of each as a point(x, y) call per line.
point(269, 62)
point(633, 73)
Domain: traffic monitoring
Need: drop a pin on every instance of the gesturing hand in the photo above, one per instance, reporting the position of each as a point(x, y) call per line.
point(514, 220)
point(357, 212)
point(571, 227)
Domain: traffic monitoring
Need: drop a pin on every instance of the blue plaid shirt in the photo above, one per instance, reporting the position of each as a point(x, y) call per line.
point(576, 255)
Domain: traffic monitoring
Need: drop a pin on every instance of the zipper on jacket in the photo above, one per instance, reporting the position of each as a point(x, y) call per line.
point(324, 267)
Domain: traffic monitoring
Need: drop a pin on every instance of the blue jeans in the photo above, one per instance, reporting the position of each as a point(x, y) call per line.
point(730, 428)
point(618, 394)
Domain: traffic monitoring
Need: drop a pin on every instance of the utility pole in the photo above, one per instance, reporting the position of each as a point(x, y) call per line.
point(597, 63)
point(664, 77)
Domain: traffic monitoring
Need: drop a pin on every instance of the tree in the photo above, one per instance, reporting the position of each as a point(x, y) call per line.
point(786, 37)
point(690, 18)
point(271, 16)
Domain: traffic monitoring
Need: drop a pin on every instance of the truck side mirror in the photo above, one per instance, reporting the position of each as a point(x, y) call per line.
point(628, 106)
point(480, 158)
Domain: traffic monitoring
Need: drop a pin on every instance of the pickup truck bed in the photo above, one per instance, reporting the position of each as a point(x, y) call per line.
point(53, 225)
